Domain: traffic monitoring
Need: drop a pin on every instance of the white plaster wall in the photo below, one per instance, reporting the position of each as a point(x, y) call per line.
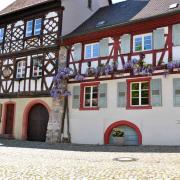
point(76, 12)
point(159, 125)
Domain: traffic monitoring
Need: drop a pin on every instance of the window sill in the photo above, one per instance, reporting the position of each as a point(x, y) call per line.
point(89, 109)
point(138, 107)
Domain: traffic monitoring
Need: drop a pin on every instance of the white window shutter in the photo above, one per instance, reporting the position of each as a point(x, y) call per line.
point(77, 51)
point(159, 39)
point(156, 92)
point(176, 35)
point(176, 92)
point(76, 97)
point(102, 99)
point(104, 47)
point(121, 94)
point(125, 44)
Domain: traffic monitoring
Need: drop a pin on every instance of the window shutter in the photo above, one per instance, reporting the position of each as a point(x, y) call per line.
point(76, 97)
point(121, 94)
point(125, 43)
point(77, 51)
point(104, 47)
point(102, 96)
point(156, 92)
point(176, 91)
point(158, 36)
point(176, 35)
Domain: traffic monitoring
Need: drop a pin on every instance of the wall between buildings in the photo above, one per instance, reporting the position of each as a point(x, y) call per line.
point(159, 125)
point(21, 104)
point(76, 12)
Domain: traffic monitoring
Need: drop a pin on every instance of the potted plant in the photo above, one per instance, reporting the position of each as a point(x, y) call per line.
point(118, 136)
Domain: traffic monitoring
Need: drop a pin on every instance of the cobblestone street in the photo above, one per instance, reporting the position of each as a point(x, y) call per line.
point(27, 160)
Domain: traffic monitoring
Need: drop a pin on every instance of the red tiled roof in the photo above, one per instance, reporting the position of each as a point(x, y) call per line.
point(21, 4)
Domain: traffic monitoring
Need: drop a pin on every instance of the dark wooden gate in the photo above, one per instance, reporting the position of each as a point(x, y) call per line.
point(9, 119)
point(37, 123)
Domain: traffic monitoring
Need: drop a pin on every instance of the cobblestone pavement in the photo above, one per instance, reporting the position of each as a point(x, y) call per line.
point(27, 160)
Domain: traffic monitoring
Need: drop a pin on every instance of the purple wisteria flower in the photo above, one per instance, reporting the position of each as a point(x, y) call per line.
point(79, 77)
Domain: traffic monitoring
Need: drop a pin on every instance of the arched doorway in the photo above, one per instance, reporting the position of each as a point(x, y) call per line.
point(132, 134)
point(37, 123)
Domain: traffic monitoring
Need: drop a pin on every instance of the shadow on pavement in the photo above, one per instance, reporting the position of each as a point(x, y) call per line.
point(89, 148)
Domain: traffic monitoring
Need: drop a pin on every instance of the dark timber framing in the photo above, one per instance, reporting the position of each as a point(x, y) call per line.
point(16, 46)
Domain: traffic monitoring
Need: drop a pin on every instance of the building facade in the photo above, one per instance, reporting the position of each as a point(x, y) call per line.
point(127, 74)
point(30, 40)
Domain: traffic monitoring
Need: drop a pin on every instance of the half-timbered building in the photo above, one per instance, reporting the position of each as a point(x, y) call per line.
point(127, 59)
point(30, 39)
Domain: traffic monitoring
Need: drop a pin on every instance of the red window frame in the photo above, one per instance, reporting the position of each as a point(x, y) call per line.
point(82, 88)
point(129, 81)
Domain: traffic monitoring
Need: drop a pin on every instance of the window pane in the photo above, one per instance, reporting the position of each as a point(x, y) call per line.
point(87, 102)
point(145, 85)
point(135, 86)
point(145, 93)
point(95, 95)
point(1, 35)
point(95, 89)
point(135, 101)
point(135, 93)
point(144, 101)
point(148, 42)
point(88, 52)
point(96, 50)
point(29, 26)
point(88, 90)
point(87, 96)
point(37, 27)
point(94, 102)
point(138, 44)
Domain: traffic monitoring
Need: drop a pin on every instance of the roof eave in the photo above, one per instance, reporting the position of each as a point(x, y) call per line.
point(122, 24)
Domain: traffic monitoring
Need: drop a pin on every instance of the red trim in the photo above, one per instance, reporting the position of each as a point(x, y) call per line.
point(4, 116)
point(129, 81)
point(26, 113)
point(122, 123)
point(82, 95)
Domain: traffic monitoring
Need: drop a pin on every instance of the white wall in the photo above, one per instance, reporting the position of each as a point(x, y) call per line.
point(159, 125)
point(76, 12)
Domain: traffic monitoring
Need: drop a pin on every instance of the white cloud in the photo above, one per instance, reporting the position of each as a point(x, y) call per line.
point(5, 3)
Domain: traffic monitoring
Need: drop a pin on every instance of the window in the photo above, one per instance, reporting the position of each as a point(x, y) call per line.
point(21, 69)
point(89, 96)
point(30, 31)
point(1, 34)
point(143, 42)
point(92, 51)
point(37, 66)
point(90, 4)
point(138, 95)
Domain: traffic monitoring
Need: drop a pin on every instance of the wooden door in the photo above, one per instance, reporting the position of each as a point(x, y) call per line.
point(9, 119)
point(37, 123)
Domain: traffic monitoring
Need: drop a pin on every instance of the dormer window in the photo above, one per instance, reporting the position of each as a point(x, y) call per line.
point(1, 35)
point(33, 27)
